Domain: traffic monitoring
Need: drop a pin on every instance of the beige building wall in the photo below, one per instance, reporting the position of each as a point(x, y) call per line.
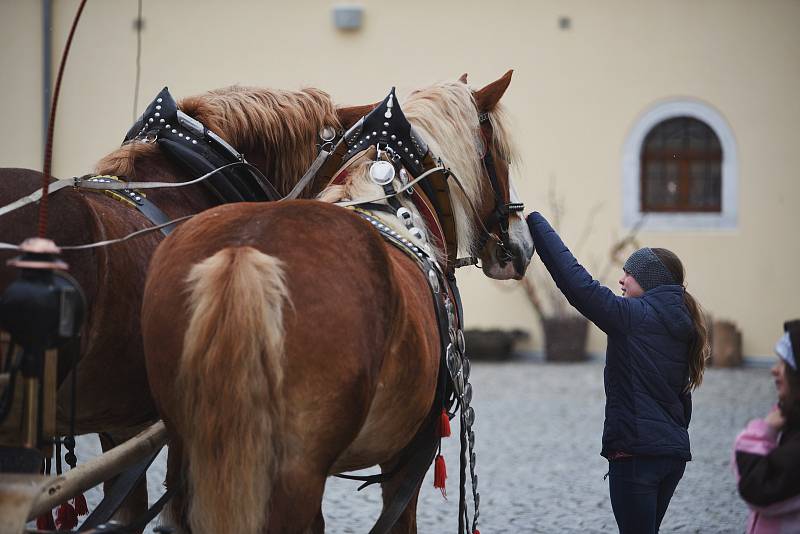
point(577, 94)
point(21, 84)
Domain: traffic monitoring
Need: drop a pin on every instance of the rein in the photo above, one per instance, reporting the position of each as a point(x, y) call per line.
point(408, 187)
point(108, 183)
point(80, 182)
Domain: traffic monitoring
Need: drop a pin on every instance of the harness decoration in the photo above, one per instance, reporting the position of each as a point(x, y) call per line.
point(387, 129)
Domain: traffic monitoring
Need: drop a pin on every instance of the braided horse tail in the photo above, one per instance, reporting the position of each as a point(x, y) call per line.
point(230, 378)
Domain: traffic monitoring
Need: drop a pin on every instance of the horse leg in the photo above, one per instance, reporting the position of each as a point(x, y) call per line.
point(135, 504)
point(318, 526)
point(296, 505)
point(407, 522)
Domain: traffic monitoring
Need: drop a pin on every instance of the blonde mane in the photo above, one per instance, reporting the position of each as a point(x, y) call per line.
point(276, 130)
point(445, 116)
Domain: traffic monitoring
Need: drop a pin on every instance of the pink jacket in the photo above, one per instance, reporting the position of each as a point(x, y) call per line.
point(758, 439)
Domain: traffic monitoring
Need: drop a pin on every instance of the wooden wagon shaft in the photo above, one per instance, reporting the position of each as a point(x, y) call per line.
point(100, 469)
point(24, 497)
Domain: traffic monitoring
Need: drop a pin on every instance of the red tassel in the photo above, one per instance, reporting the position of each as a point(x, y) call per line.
point(79, 503)
point(476, 531)
point(444, 424)
point(45, 522)
point(440, 475)
point(66, 518)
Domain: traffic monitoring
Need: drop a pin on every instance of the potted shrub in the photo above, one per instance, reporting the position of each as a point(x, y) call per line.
point(492, 344)
point(564, 330)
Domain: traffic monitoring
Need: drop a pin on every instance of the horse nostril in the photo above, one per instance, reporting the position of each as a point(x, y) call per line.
point(503, 255)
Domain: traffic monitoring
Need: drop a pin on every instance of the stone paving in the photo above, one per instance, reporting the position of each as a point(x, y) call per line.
point(538, 432)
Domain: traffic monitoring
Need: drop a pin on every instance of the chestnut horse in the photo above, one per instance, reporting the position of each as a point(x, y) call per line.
point(278, 132)
point(288, 341)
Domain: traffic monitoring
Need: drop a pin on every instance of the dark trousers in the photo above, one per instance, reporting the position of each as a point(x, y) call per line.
point(641, 488)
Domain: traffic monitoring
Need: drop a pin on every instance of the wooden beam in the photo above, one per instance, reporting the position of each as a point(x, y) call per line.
point(99, 469)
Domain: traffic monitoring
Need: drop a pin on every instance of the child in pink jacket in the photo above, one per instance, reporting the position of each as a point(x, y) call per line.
point(767, 452)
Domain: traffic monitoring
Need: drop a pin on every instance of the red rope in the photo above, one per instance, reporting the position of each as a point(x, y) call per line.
point(48, 147)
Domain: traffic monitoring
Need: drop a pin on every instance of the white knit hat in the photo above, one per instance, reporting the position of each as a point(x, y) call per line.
point(783, 348)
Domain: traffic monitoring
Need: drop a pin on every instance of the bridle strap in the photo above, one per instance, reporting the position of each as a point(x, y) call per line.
point(308, 177)
point(500, 214)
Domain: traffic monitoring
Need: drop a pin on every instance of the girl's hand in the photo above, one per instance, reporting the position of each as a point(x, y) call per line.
point(775, 419)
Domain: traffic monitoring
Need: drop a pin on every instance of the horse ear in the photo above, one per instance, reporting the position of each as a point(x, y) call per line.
point(488, 97)
point(463, 78)
point(348, 116)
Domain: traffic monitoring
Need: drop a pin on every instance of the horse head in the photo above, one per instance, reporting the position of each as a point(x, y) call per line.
point(495, 229)
point(505, 246)
point(463, 132)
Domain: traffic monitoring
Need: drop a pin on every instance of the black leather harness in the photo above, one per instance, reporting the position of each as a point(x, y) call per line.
point(132, 198)
point(195, 148)
point(418, 455)
point(199, 150)
point(387, 129)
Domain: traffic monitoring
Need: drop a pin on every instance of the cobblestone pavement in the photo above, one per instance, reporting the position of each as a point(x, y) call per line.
point(538, 430)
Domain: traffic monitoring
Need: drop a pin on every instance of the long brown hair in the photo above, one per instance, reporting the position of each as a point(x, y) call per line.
point(790, 407)
point(699, 348)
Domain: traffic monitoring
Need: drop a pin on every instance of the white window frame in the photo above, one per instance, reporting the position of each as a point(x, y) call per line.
point(727, 219)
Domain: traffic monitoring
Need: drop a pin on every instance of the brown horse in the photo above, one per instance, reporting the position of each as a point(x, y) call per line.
point(286, 342)
point(276, 130)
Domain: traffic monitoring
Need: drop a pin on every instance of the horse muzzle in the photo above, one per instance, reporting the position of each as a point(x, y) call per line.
point(505, 261)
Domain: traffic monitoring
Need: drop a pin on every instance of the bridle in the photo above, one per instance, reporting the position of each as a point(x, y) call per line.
point(499, 216)
point(403, 148)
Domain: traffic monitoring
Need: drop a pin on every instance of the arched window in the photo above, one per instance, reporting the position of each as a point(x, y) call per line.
point(681, 168)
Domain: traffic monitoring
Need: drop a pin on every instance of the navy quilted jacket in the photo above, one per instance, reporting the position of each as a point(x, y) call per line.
point(646, 372)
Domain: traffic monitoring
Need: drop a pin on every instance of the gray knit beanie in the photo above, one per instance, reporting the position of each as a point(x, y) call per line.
point(644, 266)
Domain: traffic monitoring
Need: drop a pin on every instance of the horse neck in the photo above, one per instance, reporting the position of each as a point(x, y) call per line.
point(276, 131)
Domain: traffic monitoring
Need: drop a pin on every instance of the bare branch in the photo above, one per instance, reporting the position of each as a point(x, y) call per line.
point(533, 297)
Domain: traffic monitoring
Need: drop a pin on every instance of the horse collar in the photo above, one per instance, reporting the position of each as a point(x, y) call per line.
point(416, 253)
point(199, 150)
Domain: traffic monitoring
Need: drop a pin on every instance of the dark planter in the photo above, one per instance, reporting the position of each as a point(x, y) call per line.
point(565, 339)
point(492, 345)
point(726, 344)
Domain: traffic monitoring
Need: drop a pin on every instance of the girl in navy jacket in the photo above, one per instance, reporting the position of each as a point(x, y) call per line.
point(656, 354)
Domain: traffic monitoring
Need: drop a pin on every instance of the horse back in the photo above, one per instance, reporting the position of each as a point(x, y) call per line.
point(359, 315)
point(342, 299)
point(111, 278)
